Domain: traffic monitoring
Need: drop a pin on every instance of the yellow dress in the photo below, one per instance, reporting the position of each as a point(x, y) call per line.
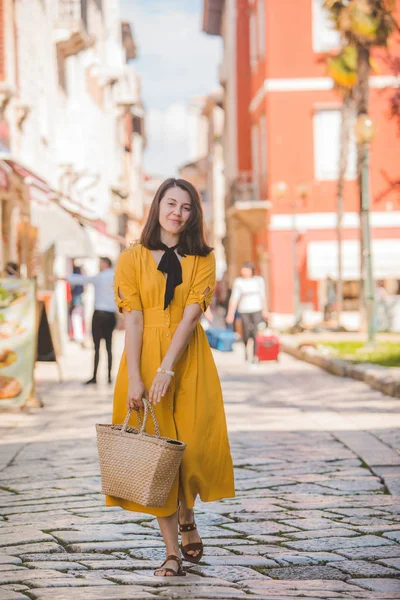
point(193, 410)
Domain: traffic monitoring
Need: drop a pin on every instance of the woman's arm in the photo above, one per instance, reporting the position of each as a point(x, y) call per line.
point(265, 313)
point(179, 342)
point(133, 348)
point(77, 279)
point(233, 303)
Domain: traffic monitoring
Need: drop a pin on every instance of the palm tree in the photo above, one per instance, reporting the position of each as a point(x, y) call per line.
point(363, 24)
point(342, 69)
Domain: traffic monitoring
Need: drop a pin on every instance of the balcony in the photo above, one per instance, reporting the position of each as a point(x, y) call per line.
point(71, 27)
point(242, 189)
point(245, 205)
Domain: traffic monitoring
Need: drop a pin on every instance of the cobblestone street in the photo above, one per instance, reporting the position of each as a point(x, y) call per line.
point(317, 512)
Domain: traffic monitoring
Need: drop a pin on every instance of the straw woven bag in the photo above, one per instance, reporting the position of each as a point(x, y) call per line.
point(135, 465)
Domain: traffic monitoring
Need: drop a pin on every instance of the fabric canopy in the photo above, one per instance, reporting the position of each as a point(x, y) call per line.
point(322, 258)
point(57, 227)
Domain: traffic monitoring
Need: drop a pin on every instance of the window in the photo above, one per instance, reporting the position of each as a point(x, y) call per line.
point(324, 36)
point(253, 41)
point(137, 125)
point(256, 160)
point(327, 147)
point(261, 27)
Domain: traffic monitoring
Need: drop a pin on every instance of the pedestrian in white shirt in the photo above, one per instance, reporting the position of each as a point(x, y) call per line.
point(248, 298)
point(104, 316)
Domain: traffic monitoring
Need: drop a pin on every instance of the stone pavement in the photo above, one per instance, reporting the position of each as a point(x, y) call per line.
point(316, 513)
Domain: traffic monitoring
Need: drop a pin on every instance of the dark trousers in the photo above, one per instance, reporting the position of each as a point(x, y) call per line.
point(250, 321)
point(103, 325)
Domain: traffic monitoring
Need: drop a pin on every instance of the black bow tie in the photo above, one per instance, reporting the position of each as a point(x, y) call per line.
point(171, 265)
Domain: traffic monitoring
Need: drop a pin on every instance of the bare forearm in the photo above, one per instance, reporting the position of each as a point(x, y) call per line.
point(232, 307)
point(264, 304)
point(179, 342)
point(133, 345)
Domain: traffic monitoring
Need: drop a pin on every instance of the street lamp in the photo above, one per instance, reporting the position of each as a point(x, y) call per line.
point(365, 132)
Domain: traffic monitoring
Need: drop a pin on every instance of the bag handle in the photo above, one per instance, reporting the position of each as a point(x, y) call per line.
point(147, 406)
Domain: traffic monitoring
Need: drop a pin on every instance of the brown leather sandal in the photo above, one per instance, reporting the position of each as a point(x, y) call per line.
point(195, 546)
point(179, 572)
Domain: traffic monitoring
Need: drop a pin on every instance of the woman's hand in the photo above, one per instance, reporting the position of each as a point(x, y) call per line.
point(159, 387)
point(230, 318)
point(136, 391)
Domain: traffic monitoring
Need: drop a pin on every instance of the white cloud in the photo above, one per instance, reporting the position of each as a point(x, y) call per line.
point(176, 62)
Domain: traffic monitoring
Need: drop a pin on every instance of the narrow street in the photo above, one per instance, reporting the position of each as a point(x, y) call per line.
point(316, 513)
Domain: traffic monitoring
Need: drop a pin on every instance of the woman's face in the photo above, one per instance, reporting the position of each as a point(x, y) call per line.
point(246, 272)
point(175, 210)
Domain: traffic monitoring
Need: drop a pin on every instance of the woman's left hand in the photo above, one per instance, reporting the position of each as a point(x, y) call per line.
point(159, 387)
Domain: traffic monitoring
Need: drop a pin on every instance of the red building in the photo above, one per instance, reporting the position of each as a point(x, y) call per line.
point(246, 212)
point(293, 116)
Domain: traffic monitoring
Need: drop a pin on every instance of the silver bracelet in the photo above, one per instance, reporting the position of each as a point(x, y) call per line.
point(165, 372)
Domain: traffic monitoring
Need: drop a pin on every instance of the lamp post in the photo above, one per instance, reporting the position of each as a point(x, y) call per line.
point(302, 193)
point(365, 133)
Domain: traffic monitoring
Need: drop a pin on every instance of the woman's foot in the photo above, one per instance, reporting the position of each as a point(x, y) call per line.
point(171, 567)
point(186, 517)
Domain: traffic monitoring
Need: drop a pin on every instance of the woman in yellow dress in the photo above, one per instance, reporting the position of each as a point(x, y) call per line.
point(163, 285)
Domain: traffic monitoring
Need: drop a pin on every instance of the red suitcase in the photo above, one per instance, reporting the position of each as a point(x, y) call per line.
point(267, 347)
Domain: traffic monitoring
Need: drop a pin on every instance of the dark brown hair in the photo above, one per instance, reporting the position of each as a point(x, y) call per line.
point(192, 240)
point(249, 265)
point(107, 260)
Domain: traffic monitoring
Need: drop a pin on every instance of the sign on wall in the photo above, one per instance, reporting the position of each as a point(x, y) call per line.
point(17, 340)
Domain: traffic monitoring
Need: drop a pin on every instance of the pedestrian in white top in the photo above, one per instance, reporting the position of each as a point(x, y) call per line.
point(104, 316)
point(248, 298)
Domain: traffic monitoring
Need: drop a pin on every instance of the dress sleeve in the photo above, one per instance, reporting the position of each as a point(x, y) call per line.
point(127, 295)
point(203, 284)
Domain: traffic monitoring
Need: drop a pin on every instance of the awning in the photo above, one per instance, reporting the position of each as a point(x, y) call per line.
point(57, 227)
point(251, 213)
point(5, 171)
point(57, 223)
point(104, 244)
point(38, 189)
point(322, 259)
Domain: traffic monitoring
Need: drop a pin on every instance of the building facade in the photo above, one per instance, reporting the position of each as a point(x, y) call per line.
point(206, 168)
point(245, 207)
point(72, 108)
point(214, 113)
point(295, 116)
point(292, 116)
point(71, 136)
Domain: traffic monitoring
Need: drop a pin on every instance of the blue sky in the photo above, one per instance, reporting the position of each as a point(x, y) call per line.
point(176, 62)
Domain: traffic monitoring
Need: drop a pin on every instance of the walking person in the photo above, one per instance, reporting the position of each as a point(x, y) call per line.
point(248, 298)
point(104, 316)
point(76, 312)
point(163, 285)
